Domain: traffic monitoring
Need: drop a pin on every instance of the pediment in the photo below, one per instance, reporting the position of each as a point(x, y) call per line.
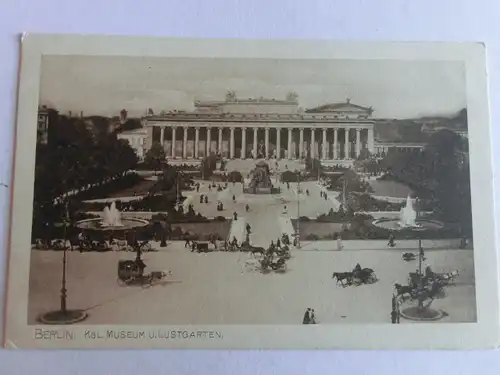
point(346, 107)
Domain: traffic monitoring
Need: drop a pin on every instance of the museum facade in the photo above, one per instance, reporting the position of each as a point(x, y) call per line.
point(263, 128)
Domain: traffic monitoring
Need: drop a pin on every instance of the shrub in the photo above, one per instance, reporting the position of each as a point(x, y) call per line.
point(220, 218)
point(312, 237)
point(289, 176)
point(304, 218)
point(235, 176)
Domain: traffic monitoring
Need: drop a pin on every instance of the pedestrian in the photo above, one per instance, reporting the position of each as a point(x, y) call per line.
point(339, 242)
point(187, 243)
point(234, 198)
point(206, 199)
point(391, 242)
point(307, 318)
point(312, 317)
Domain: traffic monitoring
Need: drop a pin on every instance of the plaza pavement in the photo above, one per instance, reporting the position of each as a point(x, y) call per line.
point(226, 288)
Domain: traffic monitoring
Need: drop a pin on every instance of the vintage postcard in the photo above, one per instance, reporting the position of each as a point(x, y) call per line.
point(174, 193)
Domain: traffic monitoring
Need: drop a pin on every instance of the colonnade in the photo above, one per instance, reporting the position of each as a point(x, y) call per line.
point(318, 144)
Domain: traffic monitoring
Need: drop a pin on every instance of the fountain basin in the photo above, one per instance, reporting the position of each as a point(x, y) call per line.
point(125, 224)
point(421, 224)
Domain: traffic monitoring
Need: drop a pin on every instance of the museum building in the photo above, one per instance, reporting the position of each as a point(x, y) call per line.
point(263, 128)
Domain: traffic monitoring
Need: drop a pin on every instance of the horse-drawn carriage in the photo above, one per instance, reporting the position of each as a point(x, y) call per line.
point(357, 276)
point(268, 261)
point(131, 272)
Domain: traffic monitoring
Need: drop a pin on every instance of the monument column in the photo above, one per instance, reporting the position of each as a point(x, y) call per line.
point(289, 143)
point(231, 141)
point(324, 155)
point(243, 143)
point(335, 141)
point(209, 140)
point(255, 130)
point(301, 143)
point(370, 143)
point(219, 145)
point(162, 135)
point(358, 142)
point(278, 143)
point(196, 141)
point(184, 142)
point(313, 144)
point(266, 140)
point(346, 144)
point(174, 128)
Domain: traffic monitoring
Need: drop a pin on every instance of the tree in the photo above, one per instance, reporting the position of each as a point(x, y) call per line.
point(208, 165)
point(155, 156)
point(313, 166)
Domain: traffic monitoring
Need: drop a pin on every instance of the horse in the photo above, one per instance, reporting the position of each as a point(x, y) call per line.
point(341, 276)
point(257, 250)
point(402, 289)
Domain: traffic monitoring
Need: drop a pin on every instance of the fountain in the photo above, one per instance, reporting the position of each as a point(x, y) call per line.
point(408, 220)
point(408, 215)
point(112, 217)
point(111, 220)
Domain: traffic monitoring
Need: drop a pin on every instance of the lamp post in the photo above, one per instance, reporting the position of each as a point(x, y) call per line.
point(298, 210)
point(63, 315)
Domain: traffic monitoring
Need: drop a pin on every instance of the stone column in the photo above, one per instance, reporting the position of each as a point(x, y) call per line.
point(346, 144)
point(325, 152)
point(289, 143)
point(370, 143)
point(209, 140)
point(219, 146)
point(358, 142)
point(266, 140)
point(255, 130)
point(243, 143)
point(278, 143)
point(335, 143)
point(196, 141)
point(313, 144)
point(231, 148)
point(149, 138)
point(185, 142)
point(162, 135)
point(174, 128)
point(301, 143)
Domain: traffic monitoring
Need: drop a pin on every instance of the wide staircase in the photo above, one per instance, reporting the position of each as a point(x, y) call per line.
point(245, 166)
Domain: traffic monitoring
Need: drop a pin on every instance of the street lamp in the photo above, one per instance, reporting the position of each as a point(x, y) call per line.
point(63, 315)
point(297, 237)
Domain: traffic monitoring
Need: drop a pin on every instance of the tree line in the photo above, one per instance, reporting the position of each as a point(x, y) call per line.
point(77, 156)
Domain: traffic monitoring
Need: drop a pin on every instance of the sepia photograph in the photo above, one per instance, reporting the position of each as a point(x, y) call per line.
point(249, 191)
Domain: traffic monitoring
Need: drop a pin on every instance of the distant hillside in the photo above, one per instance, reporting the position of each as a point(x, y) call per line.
point(399, 131)
point(415, 130)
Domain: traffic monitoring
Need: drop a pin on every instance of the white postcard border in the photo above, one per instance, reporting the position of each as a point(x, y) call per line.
point(483, 334)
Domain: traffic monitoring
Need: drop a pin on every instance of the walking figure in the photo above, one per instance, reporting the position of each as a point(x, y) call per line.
point(391, 242)
point(187, 243)
point(206, 199)
point(234, 198)
point(247, 207)
point(307, 317)
point(339, 242)
point(235, 216)
point(312, 317)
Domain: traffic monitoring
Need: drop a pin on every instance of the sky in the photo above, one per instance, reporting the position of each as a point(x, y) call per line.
point(105, 85)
